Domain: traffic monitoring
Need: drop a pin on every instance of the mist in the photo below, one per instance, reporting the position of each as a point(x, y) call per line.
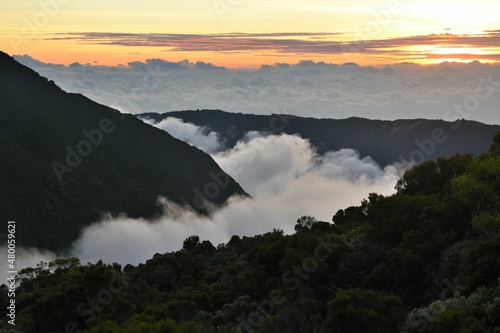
point(25, 257)
point(285, 176)
point(199, 137)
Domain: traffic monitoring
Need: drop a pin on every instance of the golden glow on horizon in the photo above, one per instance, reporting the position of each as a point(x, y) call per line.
point(450, 59)
point(28, 26)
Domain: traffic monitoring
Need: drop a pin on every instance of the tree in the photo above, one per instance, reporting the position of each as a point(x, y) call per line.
point(480, 264)
point(361, 311)
point(460, 320)
point(305, 223)
point(351, 215)
point(495, 146)
point(477, 190)
point(191, 243)
point(206, 247)
point(432, 177)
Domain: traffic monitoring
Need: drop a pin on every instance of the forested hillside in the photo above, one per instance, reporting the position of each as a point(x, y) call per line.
point(426, 259)
point(66, 161)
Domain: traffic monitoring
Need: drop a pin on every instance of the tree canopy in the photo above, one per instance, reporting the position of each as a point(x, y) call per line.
point(426, 259)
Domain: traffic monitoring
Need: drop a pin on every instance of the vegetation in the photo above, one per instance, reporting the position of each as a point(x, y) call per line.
point(426, 260)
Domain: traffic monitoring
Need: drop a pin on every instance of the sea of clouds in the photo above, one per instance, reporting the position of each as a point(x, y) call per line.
point(311, 89)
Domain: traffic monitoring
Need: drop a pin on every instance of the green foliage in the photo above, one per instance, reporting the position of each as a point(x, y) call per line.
point(360, 311)
point(425, 260)
point(486, 224)
point(351, 216)
point(433, 177)
point(305, 223)
point(306, 315)
point(480, 264)
point(495, 146)
point(191, 243)
point(461, 320)
point(144, 324)
point(479, 312)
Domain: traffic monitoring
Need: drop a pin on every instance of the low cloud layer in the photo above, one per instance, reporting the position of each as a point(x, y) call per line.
point(304, 89)
point(286, 179)
point(201, 138)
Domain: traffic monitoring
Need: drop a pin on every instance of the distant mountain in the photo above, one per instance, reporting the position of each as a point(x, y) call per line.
point(385, 141)
point(64, 160)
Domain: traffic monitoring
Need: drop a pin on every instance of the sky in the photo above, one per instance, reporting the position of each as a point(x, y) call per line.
point(250, 33)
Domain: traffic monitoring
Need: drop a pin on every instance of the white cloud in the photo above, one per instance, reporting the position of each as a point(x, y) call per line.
point(286, 179)
point(202, 138)
point(264, 164)
point(285, 176)
point(305, 89)
point(25, 257)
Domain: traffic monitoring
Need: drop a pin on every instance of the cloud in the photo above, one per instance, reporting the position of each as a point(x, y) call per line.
point(25, 257)
point(284, 174)
point(225, 42)
point(286, 179)
point(202, 138)
point(263, 164)
point(310, 89)
point(302, 43)
point(205, 65)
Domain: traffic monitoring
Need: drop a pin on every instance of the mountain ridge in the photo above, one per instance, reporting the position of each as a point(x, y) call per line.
point(386, 141)
point(116, 164)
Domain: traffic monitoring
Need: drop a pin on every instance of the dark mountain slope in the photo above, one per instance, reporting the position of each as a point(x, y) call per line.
point(384, 141)
point(125, 166)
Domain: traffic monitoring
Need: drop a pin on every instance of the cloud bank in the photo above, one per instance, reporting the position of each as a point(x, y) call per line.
point(201, 138)
point(286, 178)
point(310, 89)
point(306, 43)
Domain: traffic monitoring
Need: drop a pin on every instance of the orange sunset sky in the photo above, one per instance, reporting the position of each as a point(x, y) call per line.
point(249, 33)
